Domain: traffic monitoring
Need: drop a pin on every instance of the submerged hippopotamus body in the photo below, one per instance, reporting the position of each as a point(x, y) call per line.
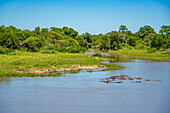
point(124, 77)
point(108, 82)
point(146, 80)
point(157, 80)
point(137, 78)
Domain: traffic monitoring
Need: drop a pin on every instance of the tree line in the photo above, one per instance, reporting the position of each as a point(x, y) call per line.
point(68, 40)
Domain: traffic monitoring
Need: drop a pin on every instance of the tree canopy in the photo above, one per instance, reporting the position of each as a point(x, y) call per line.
point(67, 39)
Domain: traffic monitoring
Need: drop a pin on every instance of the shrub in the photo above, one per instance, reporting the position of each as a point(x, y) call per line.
point(33, 43)
point(7, 50)
point(140, 46)
point(131, 40)
point(73, 50)
point(89, 45)
point(74, 71)
point(98, 54)
point(48, 52)
point(24, 49)
point(62, 49)
point(83, 49)
point(152, 50)
point(50, 48)
point(45, 51)
point(2, 50)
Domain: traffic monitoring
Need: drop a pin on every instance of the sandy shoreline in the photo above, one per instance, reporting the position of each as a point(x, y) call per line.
point(68, 69)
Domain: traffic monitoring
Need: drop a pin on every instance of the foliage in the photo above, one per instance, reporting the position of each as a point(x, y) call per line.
point(144, 31)
point(165, 29)
point(2, 50)
point(132, 40)
point(98, 54)
point(33, 43)
point(62, 50)
point(152, 50)
point(68, 40)
point(155, 40)
point(123, 29)
point(73, 50)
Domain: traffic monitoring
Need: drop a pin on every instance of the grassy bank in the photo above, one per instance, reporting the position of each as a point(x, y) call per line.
point(140, 53)
point(31, 64)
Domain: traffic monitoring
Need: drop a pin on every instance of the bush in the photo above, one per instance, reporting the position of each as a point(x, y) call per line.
point(83, 49)
point(131, 40)
point(140, 46)
point(2, 50)
point(73, 50)
point(62, 49)
point(48, 52)
point(50, 48)
point(98, 54)
point(24, 49)
point(89, 45)
point(45, 51)
point(7, 50)
point(152, 50)
point(33, 43)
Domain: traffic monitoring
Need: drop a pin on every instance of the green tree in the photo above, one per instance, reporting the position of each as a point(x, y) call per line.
point(37, 30)
point(115, 39)
point(81, 41)
point(69, 31)
point(123, 29)
point(132, 40)
point(165, 29)
point(44, 31)
point(103, 42)
point(167, 43)
point(88, 37)
point(58, 36)
point(57, 30)
point(155, 40)
point(68, 42)
point(144, 31)
point(33, 43)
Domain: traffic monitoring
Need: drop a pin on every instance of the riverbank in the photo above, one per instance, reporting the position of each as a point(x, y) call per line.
point(32, 64)
point(135, 52)
point(142, 54)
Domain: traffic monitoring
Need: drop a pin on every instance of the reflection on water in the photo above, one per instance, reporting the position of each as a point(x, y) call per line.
point(83, 92)
point(122, 58)
point(127, 58)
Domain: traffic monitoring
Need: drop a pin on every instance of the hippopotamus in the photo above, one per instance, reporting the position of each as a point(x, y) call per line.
point(121, 78)
point(113, 77)
point(157, 80)
point(137, 78)
point(146, 80)
point(124, 76)
point(108, 82)
point(117, 82)
point(138, 81)
point(107, 78)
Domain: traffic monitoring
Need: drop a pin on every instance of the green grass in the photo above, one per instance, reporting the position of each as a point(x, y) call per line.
point(140, 53)
point(21, 64)
point(74, 71)
point(90, 71)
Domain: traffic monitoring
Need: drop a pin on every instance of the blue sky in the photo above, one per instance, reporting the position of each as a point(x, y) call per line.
point(93, 16)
